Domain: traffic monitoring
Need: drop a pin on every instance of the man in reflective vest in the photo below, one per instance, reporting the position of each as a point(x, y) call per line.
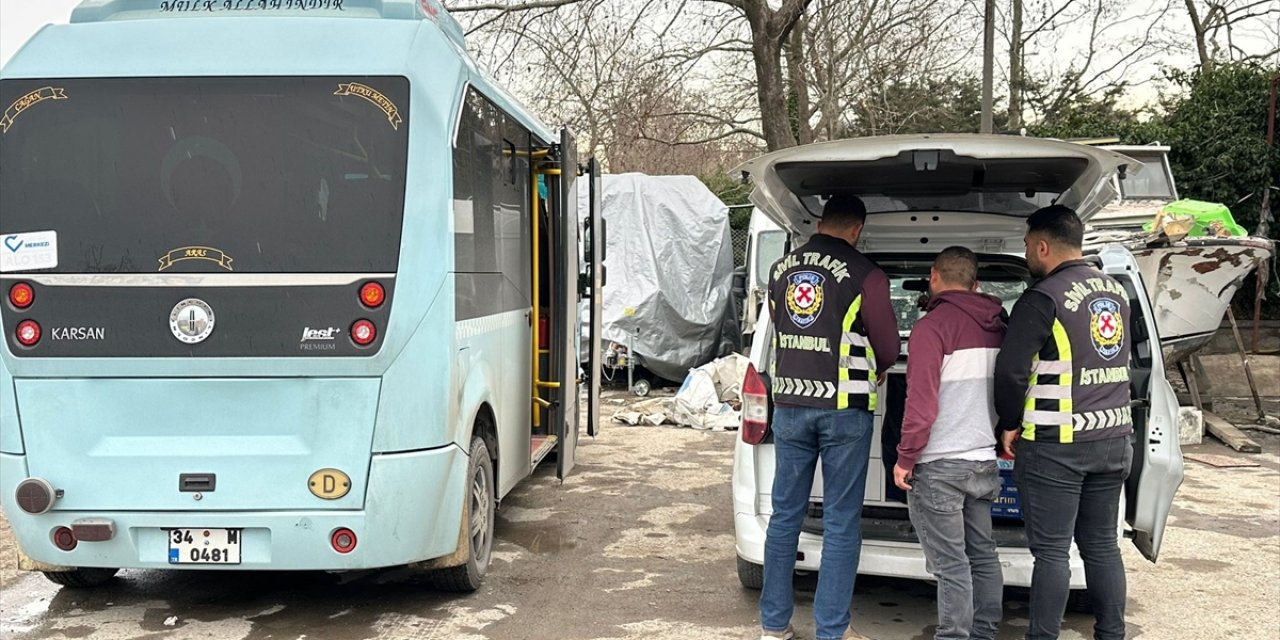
point(835, 334)
point(1062, 382)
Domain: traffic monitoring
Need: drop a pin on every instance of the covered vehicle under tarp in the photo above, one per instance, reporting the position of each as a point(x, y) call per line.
point(668, 290)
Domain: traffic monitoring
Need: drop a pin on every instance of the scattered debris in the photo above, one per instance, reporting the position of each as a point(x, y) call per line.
point(709, 399)
point(1230, 434)
point(1220, 461)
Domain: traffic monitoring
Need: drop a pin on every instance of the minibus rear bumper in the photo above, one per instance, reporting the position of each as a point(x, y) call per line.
point(412, 512)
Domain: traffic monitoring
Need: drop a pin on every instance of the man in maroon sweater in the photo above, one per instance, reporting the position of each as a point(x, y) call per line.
point(947, 456)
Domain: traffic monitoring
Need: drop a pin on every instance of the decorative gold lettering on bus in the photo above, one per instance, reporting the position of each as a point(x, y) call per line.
point(28, 101)
point(196, 253)
point(372, 95)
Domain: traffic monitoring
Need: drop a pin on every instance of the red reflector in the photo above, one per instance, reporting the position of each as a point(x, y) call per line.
point(755, 407)
point(21, 295)
point(343, 540)
point(64, 539)
point(28, 333)
point(363, 332)
point(372, 295)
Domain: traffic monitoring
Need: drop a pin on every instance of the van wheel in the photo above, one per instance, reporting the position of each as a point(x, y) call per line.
point(1078, 601)
point(479, 513)
point(81, 578)
point(750, 574)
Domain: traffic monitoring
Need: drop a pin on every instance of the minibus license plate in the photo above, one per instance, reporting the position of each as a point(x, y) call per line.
point(204, 546)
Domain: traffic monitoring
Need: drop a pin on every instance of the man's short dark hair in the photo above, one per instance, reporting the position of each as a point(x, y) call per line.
point(844, 211)
point(957, 266)
point(1059, 224)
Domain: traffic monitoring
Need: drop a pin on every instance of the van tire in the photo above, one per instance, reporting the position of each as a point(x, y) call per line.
point(86, 578)
point(1078, 601)
point(480, 498)
point(750, 574)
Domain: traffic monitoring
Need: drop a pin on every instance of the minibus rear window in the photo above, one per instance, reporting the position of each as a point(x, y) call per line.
point(207, 175)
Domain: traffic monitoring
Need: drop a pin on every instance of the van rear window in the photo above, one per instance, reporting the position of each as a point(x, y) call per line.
point(207, 175)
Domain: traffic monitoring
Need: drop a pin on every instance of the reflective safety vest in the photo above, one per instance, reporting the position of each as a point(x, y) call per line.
point(1079, 386)
point(822, 355)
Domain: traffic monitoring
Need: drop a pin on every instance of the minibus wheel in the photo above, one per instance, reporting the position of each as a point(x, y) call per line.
point(479, 513)
point(85, 578)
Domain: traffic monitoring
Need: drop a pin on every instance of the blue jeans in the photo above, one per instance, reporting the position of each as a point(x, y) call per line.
point(950, 505)
point(842, 439)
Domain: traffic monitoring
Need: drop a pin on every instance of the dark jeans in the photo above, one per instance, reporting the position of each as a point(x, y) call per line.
point(1074, 490)
point(842, 440)
point(950, 504)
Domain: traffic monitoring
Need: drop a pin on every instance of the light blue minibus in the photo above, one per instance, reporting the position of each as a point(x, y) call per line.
point(289, 285)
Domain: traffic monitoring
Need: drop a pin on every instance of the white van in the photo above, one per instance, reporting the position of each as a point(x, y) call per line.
point(925, 193)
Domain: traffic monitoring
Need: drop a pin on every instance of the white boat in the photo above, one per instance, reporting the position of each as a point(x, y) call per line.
point(1192, 281)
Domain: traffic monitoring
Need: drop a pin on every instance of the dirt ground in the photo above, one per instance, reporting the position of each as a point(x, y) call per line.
point(638, 543)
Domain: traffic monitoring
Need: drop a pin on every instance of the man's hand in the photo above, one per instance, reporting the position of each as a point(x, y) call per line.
point(1007, 439)
point(902, 477)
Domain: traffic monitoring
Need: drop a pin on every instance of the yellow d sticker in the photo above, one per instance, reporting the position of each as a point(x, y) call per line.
point(372, 95)
point(329, 484)
point(27, 101)
point(196, 253)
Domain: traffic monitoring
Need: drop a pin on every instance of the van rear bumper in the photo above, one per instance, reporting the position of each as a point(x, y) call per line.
point(412, 512)
point(886, 558)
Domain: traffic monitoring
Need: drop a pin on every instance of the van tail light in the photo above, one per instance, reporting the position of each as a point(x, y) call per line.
point(28, 333)
point(363, 333)
point(755, 407)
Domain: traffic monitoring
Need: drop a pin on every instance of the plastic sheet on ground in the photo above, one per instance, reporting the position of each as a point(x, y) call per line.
point(710, 399)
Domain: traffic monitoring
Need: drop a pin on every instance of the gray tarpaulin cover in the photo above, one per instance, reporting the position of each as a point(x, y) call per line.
point(669, 269)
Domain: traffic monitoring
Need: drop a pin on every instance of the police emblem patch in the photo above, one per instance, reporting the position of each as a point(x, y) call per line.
point(804, 297)
point(1106, 327)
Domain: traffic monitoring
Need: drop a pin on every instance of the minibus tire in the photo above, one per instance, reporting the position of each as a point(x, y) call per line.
point(85, 578)
point(750, 574)
point(468, 577)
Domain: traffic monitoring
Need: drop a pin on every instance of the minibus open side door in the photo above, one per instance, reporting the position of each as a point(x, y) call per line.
point(578, 276)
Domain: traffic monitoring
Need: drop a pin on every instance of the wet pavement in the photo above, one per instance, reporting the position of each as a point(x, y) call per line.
point(638, 543)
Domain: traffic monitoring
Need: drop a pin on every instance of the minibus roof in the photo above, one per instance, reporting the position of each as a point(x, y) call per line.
point(191, 38)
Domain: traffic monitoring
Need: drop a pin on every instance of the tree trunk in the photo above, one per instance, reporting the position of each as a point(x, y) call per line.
point(799, 89)
point(1015, 68)
point(1199, 29)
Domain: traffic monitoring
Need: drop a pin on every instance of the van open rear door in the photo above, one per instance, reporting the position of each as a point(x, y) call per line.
point(1157, 457)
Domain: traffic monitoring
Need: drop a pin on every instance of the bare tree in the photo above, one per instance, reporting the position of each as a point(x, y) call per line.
point(770, 31)
point(1219, 24)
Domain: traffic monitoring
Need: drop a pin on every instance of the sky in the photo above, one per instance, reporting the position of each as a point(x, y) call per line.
point(20, 19)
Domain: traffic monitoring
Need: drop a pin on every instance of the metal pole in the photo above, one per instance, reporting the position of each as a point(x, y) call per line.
point(988, 65)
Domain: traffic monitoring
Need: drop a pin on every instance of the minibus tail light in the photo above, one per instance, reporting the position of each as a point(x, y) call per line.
point(372, 295)
point(755, 407)
point(28, 333)
point(343, 540)
point(21, 295)
point(363, 333)
point(64, 539)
